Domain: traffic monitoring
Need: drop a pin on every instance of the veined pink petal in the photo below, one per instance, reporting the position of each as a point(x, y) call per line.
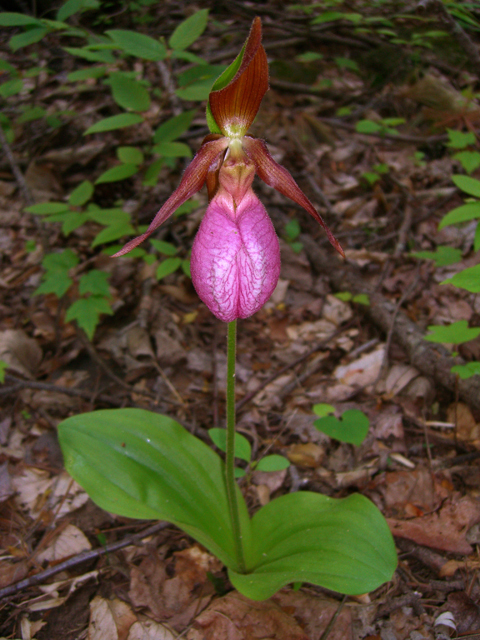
point(280, 179)
point(192, 181)
point(235, 260)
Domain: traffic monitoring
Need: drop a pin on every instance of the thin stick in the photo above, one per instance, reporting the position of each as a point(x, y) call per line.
point(230, 448)
point(84, 556)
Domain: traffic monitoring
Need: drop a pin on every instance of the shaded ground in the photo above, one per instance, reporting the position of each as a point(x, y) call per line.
point(383, 193)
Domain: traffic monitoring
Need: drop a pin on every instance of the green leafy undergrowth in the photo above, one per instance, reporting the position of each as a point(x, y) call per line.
point(352, 426)
point(243, 451)
point(139, 464)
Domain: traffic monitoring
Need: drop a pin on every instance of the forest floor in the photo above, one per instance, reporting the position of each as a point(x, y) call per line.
point(70, 570)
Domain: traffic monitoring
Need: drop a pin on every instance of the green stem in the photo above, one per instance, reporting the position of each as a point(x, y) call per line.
point(230, 450)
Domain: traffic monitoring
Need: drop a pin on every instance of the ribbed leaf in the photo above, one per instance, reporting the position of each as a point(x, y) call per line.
point(343, 545)
point(141, 464)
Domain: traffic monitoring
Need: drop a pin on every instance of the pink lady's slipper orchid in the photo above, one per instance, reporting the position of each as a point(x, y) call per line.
point(235, 260)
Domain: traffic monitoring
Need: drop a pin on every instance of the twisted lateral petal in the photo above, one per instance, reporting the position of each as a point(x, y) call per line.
point(280, 179)
point(191, 182)
point(235, 106)
point(235, 260)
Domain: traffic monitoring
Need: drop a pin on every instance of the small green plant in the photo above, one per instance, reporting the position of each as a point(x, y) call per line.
point(467, 370)
point(443, 256)
point(359, 298)
point(376, 173)
point(352, 426)
point(455, 333)
point(468, 158)
point(3, 368)
point(382, 127)
point(292, 231)
point(243, 451)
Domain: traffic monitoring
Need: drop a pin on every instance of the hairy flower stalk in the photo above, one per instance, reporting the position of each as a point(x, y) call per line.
point(235, 260)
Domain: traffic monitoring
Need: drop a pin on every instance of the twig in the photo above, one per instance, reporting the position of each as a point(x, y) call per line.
point(84, 556)
point(291, 365)
point(19, 384)
point(429, 358)
point(169, 87)
point(329, 626)
point(27, 196)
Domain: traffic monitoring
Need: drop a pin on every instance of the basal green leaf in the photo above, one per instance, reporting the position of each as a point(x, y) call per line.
point(468, 279)
point(129, 93)
point(138, 44)
point(168, 266)
point(141, 464)
point(115, 122)
point(467, 184)
point(342, 545)
point(455, 333)
point(174, 127)
point(243, 450)
point(81, 194)
point(465, 212)
point(120, 172)
point(189, 30)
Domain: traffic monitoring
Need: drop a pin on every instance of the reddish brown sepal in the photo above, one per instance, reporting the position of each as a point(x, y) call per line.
point(280, 179)
point(235, 106)
point(192, 181)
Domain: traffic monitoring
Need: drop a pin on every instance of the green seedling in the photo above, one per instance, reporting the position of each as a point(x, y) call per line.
point(352, 427)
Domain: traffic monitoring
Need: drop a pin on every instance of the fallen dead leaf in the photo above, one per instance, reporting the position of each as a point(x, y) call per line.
point(235, 617)
point(21, 353)
point(306, 455)
point(179, 598)
point(451, 567)
point(314, 612)
point(109, 619)
point(361, 372)
point(146, 629)
point(467, 427)
point(69, 542)
point(444, 529)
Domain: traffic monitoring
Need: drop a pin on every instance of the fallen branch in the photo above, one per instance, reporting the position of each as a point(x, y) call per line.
point(84, 556)
point(431, 359)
